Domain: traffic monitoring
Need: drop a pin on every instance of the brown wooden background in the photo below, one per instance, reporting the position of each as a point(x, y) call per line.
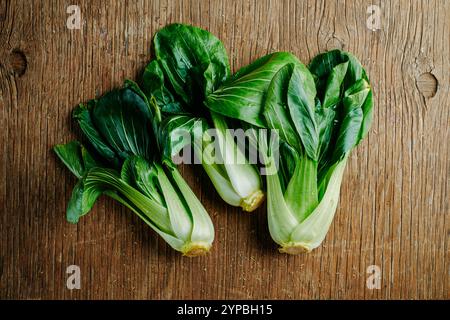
point(394, 204)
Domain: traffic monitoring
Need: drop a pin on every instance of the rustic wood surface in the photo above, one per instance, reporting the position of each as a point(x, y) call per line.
point(394, 204)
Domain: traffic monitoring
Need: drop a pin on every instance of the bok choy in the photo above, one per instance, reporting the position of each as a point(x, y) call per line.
point(190, 64)
point(320, 113)
point(125, 164)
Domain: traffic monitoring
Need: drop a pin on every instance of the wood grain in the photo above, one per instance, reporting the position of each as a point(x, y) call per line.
point(394, 203)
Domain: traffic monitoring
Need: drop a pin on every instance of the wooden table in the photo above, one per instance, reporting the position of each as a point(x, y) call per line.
point(394, 205)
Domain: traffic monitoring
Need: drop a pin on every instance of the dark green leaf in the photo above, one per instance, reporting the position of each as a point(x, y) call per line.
point(276, 112)
point(88, 160)
point(301, 104)
point(70, 155)
point(194, 62)
point(243, 96)
point(82, 200)
point(76, 158)
point(83, 117)
point(288, 160)
point(350, 128)
point(367, 109)
point(124, 120)
point(153, 85)
point(335, 73)
point(332, 93)
point(326, 123)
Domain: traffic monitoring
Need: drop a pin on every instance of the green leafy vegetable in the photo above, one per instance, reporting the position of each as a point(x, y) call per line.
point(190, 64)
point(320, 113)
point(122, 128)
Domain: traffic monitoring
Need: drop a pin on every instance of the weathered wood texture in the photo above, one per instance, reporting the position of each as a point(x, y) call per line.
point(394, 205)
